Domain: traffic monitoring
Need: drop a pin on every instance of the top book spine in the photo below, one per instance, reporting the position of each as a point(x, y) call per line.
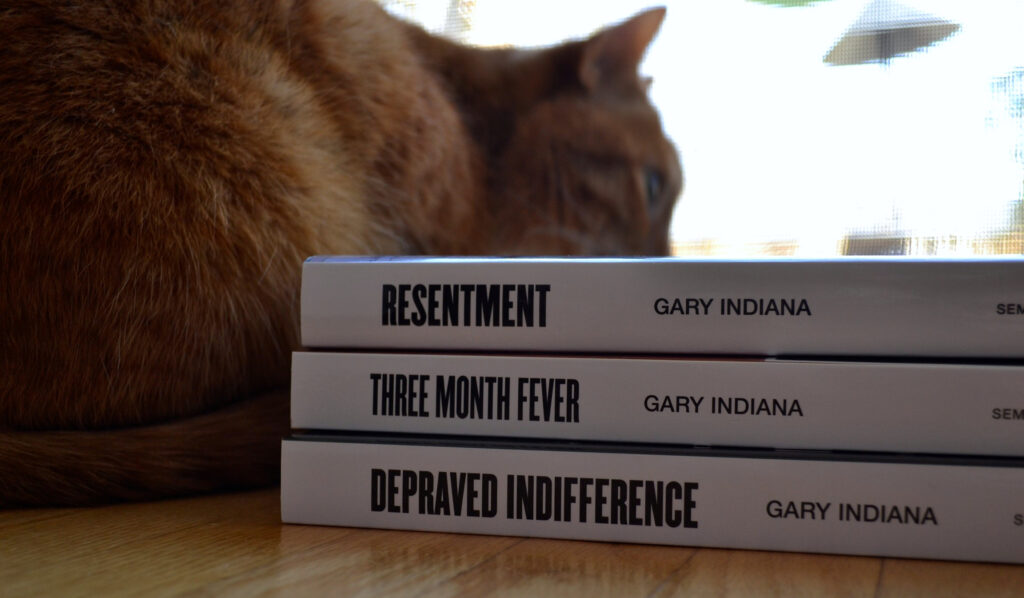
point(969, 308)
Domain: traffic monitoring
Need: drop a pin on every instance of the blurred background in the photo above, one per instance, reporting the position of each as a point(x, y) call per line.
point(816, 128)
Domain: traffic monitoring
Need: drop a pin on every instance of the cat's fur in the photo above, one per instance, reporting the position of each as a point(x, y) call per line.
point(166, 165)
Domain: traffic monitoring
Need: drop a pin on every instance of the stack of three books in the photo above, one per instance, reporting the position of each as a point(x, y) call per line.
point(871, 407)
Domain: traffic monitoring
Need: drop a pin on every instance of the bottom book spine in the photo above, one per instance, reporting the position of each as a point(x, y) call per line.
point(900, 509)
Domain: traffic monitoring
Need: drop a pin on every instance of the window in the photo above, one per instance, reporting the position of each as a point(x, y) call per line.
point(817, 127)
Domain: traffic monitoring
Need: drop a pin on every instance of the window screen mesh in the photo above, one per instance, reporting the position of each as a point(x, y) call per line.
point(817, 127)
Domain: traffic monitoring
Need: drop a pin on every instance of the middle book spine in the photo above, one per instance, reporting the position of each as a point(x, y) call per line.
point(784, 404)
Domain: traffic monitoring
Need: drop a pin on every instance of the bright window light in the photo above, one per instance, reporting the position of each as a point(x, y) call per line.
point(916, 146)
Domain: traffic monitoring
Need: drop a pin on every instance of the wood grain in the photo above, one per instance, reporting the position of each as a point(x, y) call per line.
point(235, 545)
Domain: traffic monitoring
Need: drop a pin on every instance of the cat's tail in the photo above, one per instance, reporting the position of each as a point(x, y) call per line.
point(238, 446)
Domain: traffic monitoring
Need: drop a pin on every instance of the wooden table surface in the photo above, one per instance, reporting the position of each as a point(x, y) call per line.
point(235, 545)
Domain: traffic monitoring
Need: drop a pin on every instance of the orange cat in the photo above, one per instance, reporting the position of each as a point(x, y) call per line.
point(165, 168)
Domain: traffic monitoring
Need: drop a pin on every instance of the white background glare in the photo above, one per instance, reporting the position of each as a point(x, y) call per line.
point(780, 148)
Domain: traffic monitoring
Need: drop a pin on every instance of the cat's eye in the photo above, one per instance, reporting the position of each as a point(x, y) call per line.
point(655, 183)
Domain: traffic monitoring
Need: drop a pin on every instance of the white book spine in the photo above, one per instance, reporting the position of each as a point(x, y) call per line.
point(935, 511)
point(900, 407)
point(844, 307)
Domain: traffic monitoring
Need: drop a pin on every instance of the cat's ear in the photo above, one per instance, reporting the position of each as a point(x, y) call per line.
point(611, 57)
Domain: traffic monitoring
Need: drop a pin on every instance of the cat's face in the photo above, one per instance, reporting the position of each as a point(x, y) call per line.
point(590, 178)
point(588, 170)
